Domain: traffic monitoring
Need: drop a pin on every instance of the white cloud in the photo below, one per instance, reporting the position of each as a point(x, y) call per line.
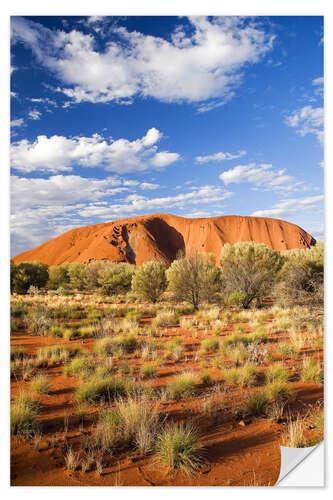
point(43, 208)
point(287, 207)
point(219, 157)
point(307, 120)
point(60, 190)
point(135, 204)
point(318, 84)
point(149, 185)
point(203, 60)
point(34, 114)
point(262, 175)
point(17, 123)
point(58, 153)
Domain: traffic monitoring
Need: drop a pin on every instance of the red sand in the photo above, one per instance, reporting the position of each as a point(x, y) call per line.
point(162, 236)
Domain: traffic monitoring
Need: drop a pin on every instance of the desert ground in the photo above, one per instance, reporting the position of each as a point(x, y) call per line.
point(100, 389)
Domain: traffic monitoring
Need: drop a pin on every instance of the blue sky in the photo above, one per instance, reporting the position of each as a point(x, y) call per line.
point(113, 117)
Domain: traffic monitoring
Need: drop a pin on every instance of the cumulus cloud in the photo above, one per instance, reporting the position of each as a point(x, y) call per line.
point(203, 59)
point(307, 120)
point(287, 207)
point(58, 153)
point(219, 157)
point(262, 176)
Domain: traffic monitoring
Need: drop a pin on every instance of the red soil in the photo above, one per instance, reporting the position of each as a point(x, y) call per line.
point(162, 236)
point(236, 453)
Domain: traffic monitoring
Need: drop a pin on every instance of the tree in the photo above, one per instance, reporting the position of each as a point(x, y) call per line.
point(149, 281)
point(251, 269)
point(77, 275)
point(25, 274)
point(92, 270)
point(194, 279)
point(116, 278)
point(58, 276)
point(302, 275)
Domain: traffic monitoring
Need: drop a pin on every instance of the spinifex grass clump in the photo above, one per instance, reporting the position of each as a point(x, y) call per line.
point(149, 369)
point(17, 352)
point(174, 349)
point(312, 371)
point(23, 412)
point(58, 353)
point(178, 448)
point(210, 345)
point(182, 385)
point(244, 376)
point(166, 318)
point(278, 390)
point(40, 384)
point(276, 372)
point(108, 389)
point(108, 345)
point(82, 367)
point(87, 331)
point(39, 320)
point(285, 349)
point(294, 437)
point(257, 403)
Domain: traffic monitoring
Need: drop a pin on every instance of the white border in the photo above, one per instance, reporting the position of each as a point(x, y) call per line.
point(143, 7)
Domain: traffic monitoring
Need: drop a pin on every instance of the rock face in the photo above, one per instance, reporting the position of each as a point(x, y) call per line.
point(162, 236)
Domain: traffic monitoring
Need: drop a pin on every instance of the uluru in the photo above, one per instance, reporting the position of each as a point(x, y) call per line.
point(162, 236)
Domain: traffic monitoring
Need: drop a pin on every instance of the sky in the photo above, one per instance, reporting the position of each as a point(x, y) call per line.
point(114, 117)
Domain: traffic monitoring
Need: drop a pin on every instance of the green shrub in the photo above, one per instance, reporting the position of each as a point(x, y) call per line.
point(115, 278)
point(58, 277)
point(26, 274)
point(194, 279)
point(250, 269)
point(149, 281)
